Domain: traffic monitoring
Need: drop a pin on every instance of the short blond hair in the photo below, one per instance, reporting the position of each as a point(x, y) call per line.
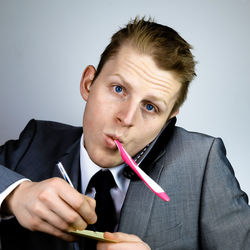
point(167, 48)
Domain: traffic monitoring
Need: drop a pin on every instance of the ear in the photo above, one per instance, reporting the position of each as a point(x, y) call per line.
point(86, 81)
point(175, 113)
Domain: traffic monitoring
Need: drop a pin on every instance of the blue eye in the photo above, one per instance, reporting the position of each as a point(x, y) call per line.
point(149, 107)
point(118, 89)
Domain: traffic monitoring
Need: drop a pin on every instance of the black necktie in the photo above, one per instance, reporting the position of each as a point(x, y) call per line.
point(103, 181)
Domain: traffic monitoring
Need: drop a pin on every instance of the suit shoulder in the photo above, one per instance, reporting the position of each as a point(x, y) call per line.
point(183, 134)
point(193, 143)
point(51, 132)
point(56, 127)
point(188, 152)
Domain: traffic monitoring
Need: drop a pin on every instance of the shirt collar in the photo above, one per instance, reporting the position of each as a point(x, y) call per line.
point(89, 168)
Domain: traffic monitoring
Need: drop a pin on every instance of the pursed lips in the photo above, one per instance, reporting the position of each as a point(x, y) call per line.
point(109, 141)
point(115, 137)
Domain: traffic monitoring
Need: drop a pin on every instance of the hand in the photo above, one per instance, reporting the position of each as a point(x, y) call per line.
point(51, 206)
point(125, 241)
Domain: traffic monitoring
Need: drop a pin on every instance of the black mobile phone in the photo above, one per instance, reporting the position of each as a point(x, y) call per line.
point(147, 154)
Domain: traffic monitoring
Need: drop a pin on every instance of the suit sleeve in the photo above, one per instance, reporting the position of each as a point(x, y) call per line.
point(224, 212)
point(11, 153)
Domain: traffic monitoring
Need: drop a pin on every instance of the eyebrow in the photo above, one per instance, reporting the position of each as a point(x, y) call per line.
point(152, 97)
point(122, 78)
point(157, 100)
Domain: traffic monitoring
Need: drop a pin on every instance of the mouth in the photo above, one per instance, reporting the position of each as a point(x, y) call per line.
point(110, 140)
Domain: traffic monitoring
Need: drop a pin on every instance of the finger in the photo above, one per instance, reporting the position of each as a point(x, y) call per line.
point(35, 223)
point(52, 218)
point(122, 246)
point(125, 241)
point(92, 204)
point(122, 237)
point(84, 205)
point(63, 210)
point(71, 216)
point(85, 209)
point(91, 201)
point(45, 227)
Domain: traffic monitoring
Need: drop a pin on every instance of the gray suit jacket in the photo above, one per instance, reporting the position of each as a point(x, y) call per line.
point(207, 210)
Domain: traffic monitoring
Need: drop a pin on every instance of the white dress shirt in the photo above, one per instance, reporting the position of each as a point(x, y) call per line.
point(89, 168)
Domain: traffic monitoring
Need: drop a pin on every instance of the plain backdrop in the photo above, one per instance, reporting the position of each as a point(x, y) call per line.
point(45, 46)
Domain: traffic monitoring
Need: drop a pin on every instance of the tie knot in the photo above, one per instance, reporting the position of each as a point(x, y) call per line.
point(103, 180)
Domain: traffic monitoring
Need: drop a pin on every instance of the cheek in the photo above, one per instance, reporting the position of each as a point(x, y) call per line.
point(100, 103)
point(142, 138)
point(98, 114)
point(87, 121)
point(148, 137)
point(148, 134)
point(91, 120)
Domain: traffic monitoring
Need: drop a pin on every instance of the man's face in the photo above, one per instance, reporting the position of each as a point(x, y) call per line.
point(130, 100)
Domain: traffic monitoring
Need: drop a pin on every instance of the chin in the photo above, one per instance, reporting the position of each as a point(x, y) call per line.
point(108, 164)
point(106, 161)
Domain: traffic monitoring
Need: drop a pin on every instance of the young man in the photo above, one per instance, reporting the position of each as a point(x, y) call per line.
point(140, 83)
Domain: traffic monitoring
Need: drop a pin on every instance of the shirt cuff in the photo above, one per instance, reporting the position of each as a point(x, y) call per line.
point(6, 192)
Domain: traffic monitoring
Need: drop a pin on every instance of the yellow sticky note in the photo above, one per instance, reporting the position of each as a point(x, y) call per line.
point(91, 234)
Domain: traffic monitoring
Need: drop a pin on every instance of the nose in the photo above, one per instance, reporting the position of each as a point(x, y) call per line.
point(127, 114)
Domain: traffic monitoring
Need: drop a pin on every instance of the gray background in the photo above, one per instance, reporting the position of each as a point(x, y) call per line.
point(45, 46)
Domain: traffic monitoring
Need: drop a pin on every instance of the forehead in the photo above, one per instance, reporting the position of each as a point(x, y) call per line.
point(138, 69)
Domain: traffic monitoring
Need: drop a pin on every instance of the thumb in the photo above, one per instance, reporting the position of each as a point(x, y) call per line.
point(121, 237)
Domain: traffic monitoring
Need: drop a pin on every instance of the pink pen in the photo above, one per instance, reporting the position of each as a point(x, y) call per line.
point(147, 180)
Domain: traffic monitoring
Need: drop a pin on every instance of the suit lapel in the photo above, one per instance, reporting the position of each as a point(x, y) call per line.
point(71, 162)
point(138, 205)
